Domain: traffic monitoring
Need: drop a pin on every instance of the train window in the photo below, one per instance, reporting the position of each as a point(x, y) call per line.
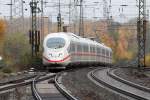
point(110, 54)
point(85, 48)
point(55, 43)
point(72, 47)
point(79, 48)
point(103, 51)
point(98, 50)
point(107, 53)
point(92, 49)
point(88, 48)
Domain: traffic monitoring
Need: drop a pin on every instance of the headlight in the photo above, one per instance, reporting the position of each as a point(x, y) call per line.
point(60, 54)
point(50, 54)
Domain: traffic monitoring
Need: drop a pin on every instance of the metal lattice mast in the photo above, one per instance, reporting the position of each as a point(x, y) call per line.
point(17, 14)
point(11, 8)
point(109, 10)
point(70, 15)
point(75, 16)
point(141, 33)
point(81, 24)
point(105, 9)
point(42, 20)
point(34, 33)
point(33, 6)
point(59, 19)
point(18, 8)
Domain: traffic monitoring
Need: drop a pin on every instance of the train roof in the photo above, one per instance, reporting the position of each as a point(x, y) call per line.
point(76, 38)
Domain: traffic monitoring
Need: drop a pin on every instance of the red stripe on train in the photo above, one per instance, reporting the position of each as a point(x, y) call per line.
point(89, 54)
point(67, 57)
point(78, 54)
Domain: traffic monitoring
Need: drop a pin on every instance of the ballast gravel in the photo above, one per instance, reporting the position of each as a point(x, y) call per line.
point(81, 87)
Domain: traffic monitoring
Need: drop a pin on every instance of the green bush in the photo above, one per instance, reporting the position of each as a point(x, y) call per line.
point(6, 70)
point(16, 50)
point(2, 64)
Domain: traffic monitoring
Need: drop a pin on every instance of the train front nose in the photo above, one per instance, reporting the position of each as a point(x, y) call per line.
point(54, 58)
point(55, 51)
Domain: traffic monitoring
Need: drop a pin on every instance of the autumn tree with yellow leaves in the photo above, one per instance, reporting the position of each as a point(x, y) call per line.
point(2, 33)
point(122, 50)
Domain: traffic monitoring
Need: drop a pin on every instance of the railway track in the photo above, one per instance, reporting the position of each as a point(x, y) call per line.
point(34, 91)
point(61, 88)
point(60, 92)
point(106, 77)
point(9, 87)
point(34, 79)
point(17, 78)
point(43, 79)
point(16, 83)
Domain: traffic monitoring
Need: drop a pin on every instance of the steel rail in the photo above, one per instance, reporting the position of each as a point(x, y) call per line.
point(15, 81)
point(24, 83)
point(111, 74)
point(115, 88)
point(35, 93)
point(61, 89)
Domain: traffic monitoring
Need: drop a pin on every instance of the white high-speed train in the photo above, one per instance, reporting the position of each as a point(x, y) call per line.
point(62, 49)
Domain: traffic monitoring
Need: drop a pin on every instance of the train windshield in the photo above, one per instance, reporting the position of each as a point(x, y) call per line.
point(55, 43)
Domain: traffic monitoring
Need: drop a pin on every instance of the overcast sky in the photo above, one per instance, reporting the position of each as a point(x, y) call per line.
point(118, 12)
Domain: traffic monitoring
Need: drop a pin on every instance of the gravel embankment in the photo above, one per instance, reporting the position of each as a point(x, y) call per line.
point(82, 88)
point(128, 74)
point(19, 93)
